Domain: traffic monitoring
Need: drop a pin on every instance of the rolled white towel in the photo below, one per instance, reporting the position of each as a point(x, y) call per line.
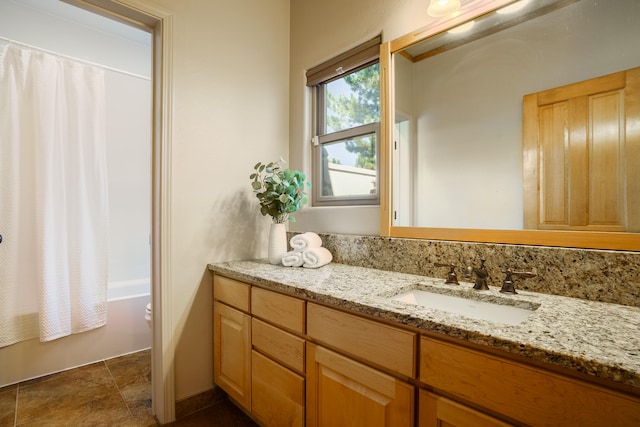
point(316, 257)
point(292, 259)
point(305, 241)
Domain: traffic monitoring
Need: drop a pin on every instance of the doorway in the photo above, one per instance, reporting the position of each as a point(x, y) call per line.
point(158, 23)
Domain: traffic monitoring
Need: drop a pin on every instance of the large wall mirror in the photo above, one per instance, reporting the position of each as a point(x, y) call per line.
point(463, 166)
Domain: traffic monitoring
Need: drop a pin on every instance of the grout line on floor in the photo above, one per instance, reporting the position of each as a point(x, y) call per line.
point(115, 383)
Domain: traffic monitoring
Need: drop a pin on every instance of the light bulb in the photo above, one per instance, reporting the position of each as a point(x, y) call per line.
point(443, 7)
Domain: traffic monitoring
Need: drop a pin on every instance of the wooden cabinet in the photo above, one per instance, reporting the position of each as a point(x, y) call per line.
point(520, 392)
point(232, 352)
point(286, 348)
point(343, 392)
point(263, 360)
point(232, 292)
point(281, 310)
point(232, 339)
point(259, 351)
point(278, 359)
point(438, 411)
point(382, 345)
point(277, 393)
point(292, 363)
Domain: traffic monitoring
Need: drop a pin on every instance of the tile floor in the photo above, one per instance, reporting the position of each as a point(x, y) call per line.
point(114, 392)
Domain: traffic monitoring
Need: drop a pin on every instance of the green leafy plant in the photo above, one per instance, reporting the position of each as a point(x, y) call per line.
point(280, 191)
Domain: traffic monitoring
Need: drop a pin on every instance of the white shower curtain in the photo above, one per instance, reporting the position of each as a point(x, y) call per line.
point(53, 196)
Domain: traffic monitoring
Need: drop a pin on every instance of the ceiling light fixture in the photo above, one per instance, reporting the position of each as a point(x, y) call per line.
point(439, 8)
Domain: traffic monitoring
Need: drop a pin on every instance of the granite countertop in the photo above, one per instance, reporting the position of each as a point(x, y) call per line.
point(596, 338)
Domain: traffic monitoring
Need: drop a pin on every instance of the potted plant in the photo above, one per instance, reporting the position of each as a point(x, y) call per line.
point(280, 192)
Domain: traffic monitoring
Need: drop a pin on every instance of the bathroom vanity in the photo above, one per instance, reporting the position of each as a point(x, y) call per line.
point(373, 339)
point(297, 347)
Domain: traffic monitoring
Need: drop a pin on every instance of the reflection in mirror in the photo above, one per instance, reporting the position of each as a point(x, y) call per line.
point(458, 161)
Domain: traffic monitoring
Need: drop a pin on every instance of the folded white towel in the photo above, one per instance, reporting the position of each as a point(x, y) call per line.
point(292, 259)
point(305, 240)
point(316, 257)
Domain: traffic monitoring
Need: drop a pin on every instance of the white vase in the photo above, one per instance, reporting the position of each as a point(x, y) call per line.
point(277, 243)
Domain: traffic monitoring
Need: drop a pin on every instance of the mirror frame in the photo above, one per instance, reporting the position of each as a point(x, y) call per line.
point(572, 239)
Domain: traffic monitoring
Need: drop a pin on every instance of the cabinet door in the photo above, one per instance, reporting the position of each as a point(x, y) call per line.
point(277, 394)
point(437, 411)
point(342, 392)
point(232, 353)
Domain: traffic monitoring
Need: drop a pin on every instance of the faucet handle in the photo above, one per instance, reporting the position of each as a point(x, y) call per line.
point(508, 286)
point(525, 274)
point(452, 278)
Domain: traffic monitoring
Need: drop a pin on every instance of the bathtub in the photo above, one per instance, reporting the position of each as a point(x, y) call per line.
point(129, 289)
point(126, 331)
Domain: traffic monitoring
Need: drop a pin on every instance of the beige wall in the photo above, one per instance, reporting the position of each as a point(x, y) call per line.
point(230, 110)
point(225, 120)
point(319, 31)
point(235, 103)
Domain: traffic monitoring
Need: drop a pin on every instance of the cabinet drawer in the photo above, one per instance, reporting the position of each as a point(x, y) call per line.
point(383, 345)
point(277, 397)
point(521, 392)
point(438, 411)
point(278, 344)
point(231, 292)
point(282, 310)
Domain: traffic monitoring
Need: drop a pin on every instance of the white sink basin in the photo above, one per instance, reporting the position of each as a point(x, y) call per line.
point(481, 310)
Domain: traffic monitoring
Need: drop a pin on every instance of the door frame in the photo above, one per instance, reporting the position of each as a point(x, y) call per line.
point(143, 15)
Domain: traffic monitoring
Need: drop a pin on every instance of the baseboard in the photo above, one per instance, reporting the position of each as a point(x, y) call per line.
point(199, 401)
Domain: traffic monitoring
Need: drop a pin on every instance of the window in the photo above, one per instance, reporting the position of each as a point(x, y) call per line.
point(347, 122)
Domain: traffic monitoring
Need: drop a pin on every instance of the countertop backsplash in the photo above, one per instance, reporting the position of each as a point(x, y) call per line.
point(595, 275)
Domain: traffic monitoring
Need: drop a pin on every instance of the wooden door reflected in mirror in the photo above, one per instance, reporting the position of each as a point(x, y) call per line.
point(579, 172)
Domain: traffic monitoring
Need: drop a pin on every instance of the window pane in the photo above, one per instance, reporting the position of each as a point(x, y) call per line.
point(349, 167)
point(353, 100)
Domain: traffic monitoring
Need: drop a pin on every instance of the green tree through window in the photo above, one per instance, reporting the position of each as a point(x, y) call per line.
point(361, 105)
